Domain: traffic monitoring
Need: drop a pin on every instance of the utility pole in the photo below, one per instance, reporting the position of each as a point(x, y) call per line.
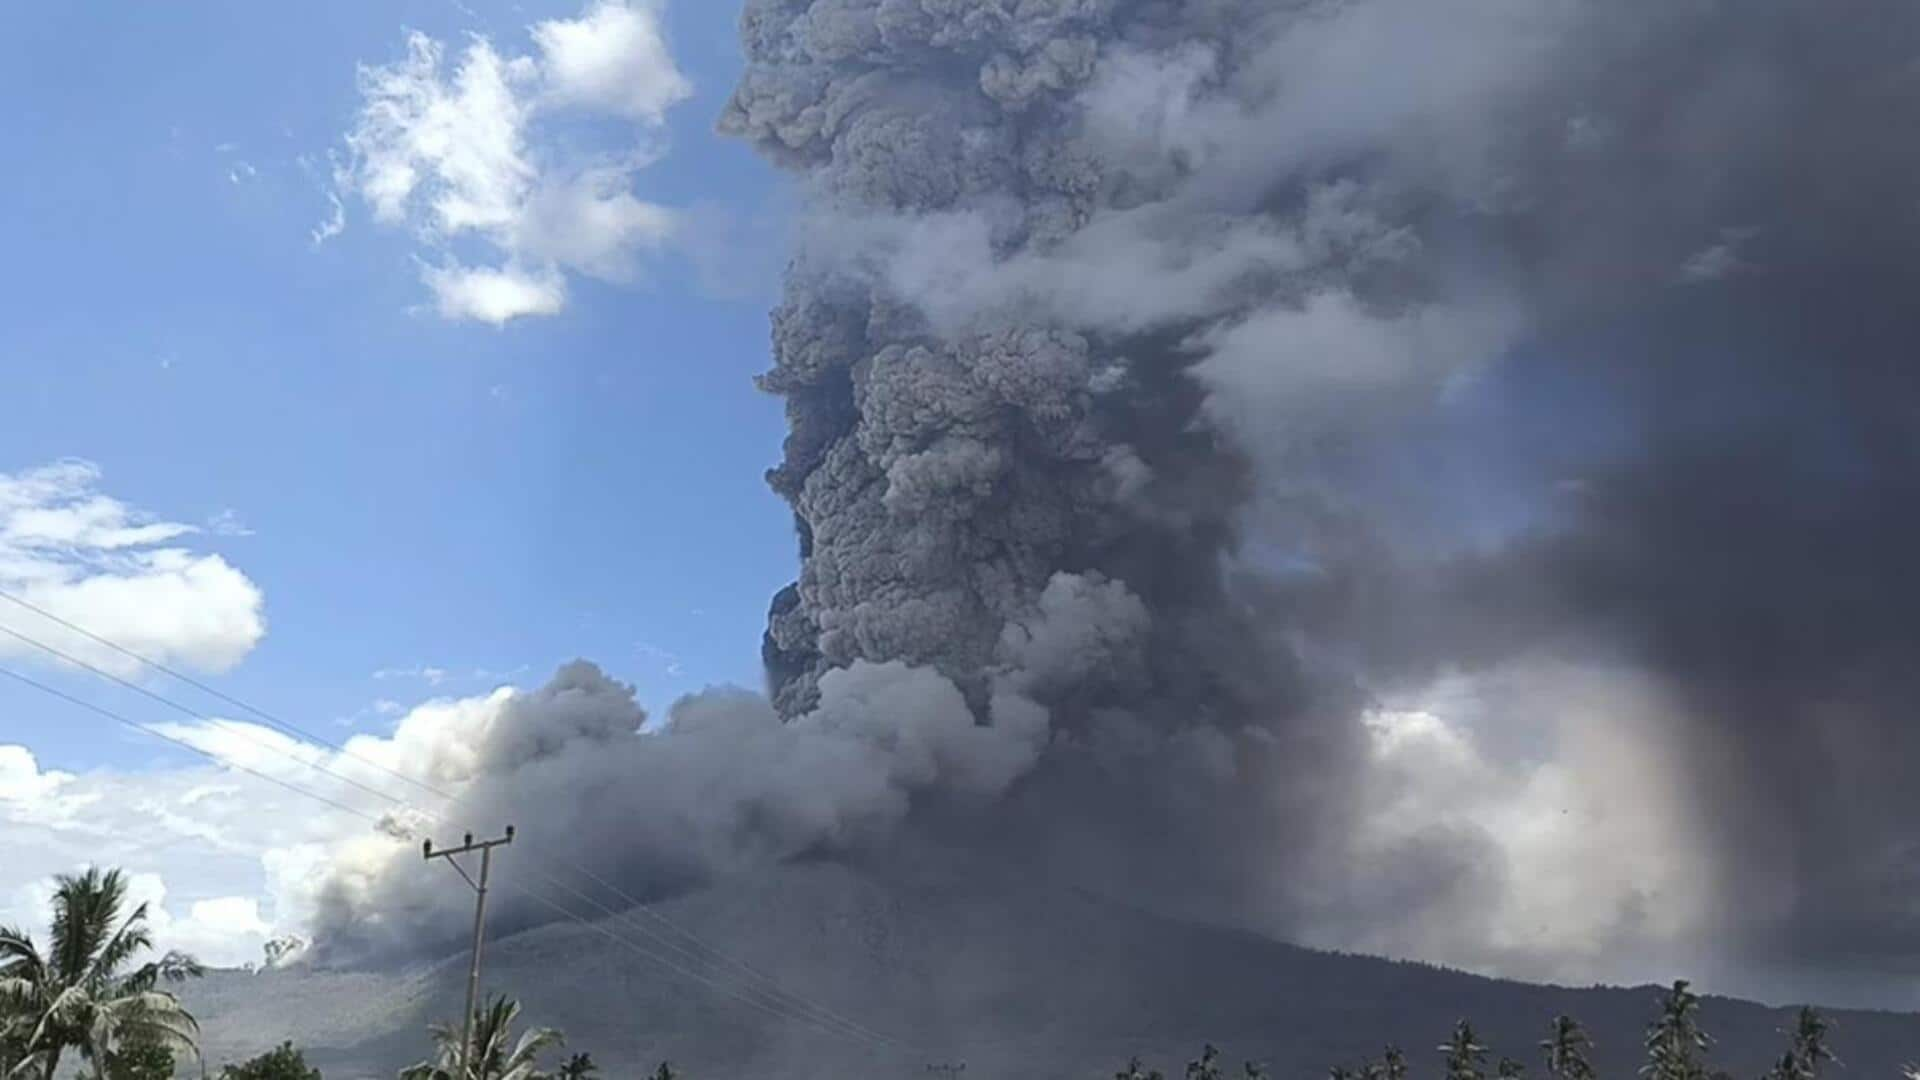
point(485, 848)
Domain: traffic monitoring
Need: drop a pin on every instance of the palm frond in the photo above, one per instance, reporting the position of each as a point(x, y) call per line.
point(18, 994)
point(85, 908)
point(526, 1052)
point(16, 946)
point(67, 1009)
point(132, 939)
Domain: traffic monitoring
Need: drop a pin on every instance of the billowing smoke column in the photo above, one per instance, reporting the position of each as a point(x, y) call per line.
point(1358, 342)
point(1434, 477)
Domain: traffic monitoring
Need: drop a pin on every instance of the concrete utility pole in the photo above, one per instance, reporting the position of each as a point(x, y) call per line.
point(485, 848)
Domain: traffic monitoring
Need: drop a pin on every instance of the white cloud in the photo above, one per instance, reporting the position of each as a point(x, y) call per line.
point(593, 224)
point(95, 561)
point(613, 57)
point(227, 852)
point(228, 858)
point(209, 848)
point(432, 676)
point(21, 779)
point(458, 150)
point(496, 296)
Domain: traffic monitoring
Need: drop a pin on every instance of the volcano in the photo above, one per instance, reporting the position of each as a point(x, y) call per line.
point(953, 963)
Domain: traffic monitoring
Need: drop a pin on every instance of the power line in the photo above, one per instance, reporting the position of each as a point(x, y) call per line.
point(700, 952)
point(600, 928)
point(790, 1017)
point(155, 665)
point(158, 734)
point(782, 1004)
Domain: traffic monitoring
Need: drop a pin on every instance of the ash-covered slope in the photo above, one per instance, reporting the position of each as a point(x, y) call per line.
point(1018, 979)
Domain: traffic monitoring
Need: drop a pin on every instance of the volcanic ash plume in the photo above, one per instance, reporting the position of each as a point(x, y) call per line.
point(1431, 477)
point(1344, 351)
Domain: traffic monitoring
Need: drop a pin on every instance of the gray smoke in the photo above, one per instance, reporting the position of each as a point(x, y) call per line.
point(1361, 342)
point(1174, 387)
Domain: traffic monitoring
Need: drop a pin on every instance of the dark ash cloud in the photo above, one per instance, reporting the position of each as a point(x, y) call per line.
point(1433, 478)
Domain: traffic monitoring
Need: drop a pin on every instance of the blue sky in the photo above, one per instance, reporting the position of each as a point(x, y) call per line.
point(417, 492)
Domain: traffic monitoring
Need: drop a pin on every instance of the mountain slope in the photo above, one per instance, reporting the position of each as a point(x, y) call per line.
point(1015, 979)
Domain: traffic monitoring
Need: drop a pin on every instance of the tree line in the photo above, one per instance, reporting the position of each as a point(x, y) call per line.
point(92, 995)
point(1676, 1049)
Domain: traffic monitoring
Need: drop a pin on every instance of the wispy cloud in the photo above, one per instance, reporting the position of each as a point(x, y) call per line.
point(228, 523)
point(335, 222)
point(459, 149)
point(670, 661)
point(432, 676)
point(1721, 259)
point(437, 676)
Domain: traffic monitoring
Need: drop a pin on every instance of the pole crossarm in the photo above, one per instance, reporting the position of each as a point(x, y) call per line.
point(467, 846)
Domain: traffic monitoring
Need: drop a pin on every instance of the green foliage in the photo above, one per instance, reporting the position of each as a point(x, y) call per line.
point(577, 1067)
point(664, 1072)
point(1466, 1058)
point(1810, 1046)
point(281, 1063)
point(1207, 1066)
point(1566, 1047)
point(1674, 1041)
point(1676, 1050)
point(496, 1055)
point(140, 1061)
point(1393, 1066)
point(13, 1042)
point(84, 993)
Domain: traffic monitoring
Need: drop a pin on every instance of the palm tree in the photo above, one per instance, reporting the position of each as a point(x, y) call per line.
point(1393, 1066)
point(1207, 1067)
point(1466, 1058)
point(1135, 1070)
point(79, 995)
point(1810, 1046)
point(665, 1072)
point(1509, 1069)
point(1675, 1041)
point(492, 1057)
point(1566, 1047)
point(578, 1067)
